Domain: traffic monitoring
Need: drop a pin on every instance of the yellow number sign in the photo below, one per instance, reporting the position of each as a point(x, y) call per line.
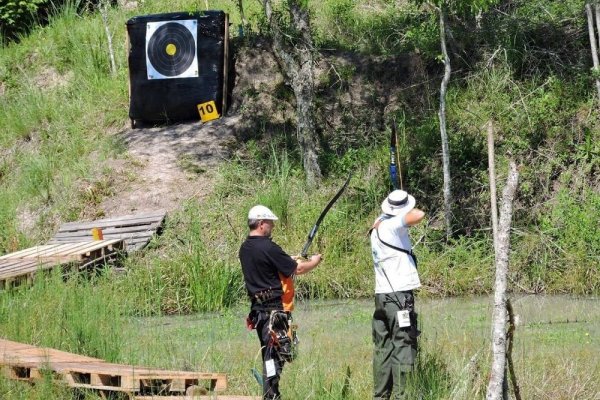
point(208, 111)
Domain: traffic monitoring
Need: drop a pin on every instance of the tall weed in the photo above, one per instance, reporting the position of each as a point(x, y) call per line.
point(85, 317)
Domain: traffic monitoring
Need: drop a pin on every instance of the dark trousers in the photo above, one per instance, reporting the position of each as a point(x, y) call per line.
point(395, 348)
point(270, 384)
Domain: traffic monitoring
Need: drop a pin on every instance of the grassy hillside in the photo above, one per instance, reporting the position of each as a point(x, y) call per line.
point(61, 109)
point(526, 67)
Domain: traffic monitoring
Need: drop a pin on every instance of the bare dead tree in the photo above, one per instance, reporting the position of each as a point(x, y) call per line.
point(103, 6)
point(492, 174)
point(497, 385)
point(494, 212)
point(295, 56)
point(240, 7)
point(443, 133)
point(593, 45)
point(510, 339)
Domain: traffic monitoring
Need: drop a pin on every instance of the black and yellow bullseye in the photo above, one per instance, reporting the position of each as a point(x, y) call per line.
point(171, 49)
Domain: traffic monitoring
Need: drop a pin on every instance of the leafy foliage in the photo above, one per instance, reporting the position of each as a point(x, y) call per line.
point(16, 16)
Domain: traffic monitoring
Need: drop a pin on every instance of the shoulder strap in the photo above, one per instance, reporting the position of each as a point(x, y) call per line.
point(409, 252)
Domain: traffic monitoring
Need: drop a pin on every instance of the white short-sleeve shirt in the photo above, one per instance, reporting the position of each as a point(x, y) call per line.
point(400, 269)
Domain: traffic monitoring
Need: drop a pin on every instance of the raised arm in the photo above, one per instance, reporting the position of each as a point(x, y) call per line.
point(413, 217)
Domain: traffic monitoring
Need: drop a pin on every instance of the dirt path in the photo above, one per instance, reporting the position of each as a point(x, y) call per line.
point(166, 165)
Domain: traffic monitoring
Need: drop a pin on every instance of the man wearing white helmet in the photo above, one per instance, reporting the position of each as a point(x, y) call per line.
point(394, 320)
point(267, 269)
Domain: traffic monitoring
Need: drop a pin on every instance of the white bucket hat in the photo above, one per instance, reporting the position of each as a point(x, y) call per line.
point(398, 202)
point(261, 212)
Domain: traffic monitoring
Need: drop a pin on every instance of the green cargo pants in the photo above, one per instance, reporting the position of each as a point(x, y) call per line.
point(395, 348)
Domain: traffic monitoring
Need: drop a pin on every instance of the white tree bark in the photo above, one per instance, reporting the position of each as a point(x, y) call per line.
point(240, 7)
point(492, 174)
point(104, 12)
point(592, 36)
point(443, 133)
point(496, 386)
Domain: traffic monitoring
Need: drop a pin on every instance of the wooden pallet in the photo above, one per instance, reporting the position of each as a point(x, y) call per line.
point(15, 272)
point(29, 363)
point(135, 230)
point(22, 265)
point(68, 252)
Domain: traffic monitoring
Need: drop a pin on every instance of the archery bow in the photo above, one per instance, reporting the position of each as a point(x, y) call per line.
point(393, 157)
point(313, 231)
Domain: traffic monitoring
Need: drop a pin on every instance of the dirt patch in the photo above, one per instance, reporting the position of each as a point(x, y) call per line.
point(49, 78)
point(168, 165)
point(355, 94)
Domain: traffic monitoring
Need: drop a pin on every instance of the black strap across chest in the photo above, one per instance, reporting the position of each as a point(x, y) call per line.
point(409, 252)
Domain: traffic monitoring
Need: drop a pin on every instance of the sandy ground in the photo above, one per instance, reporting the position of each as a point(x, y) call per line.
point(166, 165)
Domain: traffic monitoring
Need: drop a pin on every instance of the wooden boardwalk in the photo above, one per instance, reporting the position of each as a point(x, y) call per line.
point(22, 265)
point(135, 230)
point(28, 363)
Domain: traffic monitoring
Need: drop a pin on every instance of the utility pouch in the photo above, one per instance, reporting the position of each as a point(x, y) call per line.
point(283, 338)
point(414, 332)
point(252, 320)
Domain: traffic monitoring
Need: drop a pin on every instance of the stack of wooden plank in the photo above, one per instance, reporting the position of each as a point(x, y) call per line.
point(135, 230)
point(28, 363)
point(24, 264)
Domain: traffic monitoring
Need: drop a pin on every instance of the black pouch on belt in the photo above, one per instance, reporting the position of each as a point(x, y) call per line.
point(252, 320)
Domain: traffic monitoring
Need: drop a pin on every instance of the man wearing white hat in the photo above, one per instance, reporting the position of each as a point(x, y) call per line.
point(394, 321)
point(267, 268)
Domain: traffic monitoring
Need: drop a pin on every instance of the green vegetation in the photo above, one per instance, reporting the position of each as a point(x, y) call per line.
point(527, 67)
point(551, 359)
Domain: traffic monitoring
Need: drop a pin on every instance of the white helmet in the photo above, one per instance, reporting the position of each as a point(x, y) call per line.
point(261, 212)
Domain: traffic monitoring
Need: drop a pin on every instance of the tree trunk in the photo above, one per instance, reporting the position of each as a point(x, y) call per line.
point(442, 117)
point(496, 386)
point(511, 339)
point(306, 131)
point(592, 36)
point(240, 7)
point(297, 64)
point(103, 5)
point(492, 174)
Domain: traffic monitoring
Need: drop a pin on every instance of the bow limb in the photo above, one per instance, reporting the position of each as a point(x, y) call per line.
point(315, 228)
point(393, 155)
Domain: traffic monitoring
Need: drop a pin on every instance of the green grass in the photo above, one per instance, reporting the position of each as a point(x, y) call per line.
point(76, 315)
point(554, 351)
point(335, 340)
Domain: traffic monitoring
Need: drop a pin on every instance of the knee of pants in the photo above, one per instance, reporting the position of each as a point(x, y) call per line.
point(406, 357)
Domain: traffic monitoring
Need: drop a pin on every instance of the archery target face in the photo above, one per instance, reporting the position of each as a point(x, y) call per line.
point(171, 49)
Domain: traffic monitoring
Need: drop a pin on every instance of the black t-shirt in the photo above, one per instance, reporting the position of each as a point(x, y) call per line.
point(262, 260)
